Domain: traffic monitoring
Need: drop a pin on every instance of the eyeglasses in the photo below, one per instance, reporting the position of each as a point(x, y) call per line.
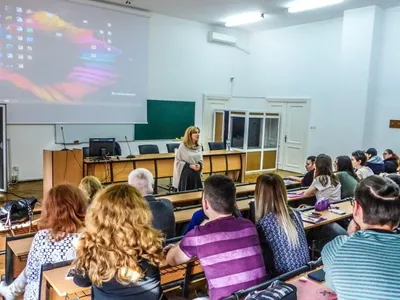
point(352, 200)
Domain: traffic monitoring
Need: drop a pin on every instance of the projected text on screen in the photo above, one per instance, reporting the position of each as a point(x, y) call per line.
point(55, 52)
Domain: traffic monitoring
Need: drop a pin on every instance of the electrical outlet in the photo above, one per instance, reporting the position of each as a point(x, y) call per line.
point(16, 168)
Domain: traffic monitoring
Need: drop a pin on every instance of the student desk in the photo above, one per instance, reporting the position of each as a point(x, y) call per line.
point(311, 289)
point(161, 165)
point(185, 215)
point(56, 286)
point(331, 217)
point(21, 247)
point(181, 198)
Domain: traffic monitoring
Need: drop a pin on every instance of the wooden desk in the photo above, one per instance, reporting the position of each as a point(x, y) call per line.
point(185, 215)
point(310, 289)
point(331, 217)
point(162, 165)
point(241, 190)
point(181, 198)
point(21, 247)
point(60, 286)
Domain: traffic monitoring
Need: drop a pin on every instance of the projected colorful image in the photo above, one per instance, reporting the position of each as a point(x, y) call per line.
point(65, 57)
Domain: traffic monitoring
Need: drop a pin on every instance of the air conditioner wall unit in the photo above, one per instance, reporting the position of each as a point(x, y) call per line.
point(215, 37)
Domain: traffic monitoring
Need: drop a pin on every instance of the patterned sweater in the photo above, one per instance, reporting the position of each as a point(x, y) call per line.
point(276, 247)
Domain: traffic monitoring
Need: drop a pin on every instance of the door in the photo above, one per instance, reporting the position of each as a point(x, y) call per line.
point(294, 134)
point(219, 126)
point(211, 104)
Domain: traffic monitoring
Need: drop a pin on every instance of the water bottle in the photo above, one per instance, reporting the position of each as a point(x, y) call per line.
point(228, 145)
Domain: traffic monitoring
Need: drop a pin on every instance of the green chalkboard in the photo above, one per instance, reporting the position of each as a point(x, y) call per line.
point(166, 120)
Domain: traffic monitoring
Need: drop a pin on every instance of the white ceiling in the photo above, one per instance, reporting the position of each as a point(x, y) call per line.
point(215, 11)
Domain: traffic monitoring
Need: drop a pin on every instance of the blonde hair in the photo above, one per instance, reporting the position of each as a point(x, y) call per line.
point(90, 186)
point(270, 197)
point(187, 139)
point(118, 234)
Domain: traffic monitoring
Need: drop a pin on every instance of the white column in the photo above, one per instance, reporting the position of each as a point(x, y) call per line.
point(360, 41)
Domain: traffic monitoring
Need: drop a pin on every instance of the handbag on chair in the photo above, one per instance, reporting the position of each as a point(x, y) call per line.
point(17, 211)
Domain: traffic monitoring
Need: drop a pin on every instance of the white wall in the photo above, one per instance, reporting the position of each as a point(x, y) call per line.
point(305, 61)
point(387, 102)
point(302, 62)
point(182, 66)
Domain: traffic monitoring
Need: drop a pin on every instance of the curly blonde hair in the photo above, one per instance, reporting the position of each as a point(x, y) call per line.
point(90, 186)
point(118, 234)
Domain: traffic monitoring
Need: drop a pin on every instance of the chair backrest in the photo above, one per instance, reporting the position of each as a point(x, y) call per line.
point(284, 277)
point(10, 268)
point(172, 146)
point(216, 146)
point(148, 149)
point(43, 289)
point(86, 152)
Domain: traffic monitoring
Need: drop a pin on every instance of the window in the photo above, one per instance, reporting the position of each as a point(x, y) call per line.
point(237, 132)
point(255, 133)
point(271, 133)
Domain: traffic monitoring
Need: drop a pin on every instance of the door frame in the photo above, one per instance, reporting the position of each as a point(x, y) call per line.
point(210, 104)
point(307, 102)
point(5, 149)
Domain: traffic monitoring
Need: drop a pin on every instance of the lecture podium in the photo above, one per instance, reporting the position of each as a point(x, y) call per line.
point(61, 167)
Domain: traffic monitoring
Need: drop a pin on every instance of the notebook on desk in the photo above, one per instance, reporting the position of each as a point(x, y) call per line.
point(310, 218)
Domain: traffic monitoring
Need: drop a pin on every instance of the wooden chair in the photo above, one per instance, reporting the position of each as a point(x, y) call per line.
point(14, 265)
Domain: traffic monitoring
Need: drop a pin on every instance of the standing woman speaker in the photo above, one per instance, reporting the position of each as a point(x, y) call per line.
point(188, 162)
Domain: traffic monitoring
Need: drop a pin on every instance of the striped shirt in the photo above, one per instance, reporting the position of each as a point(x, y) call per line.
point(230, 254)
point(364, 266)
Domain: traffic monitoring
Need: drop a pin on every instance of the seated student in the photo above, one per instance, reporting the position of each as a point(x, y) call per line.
point(63, 214)
point(309, 177)
point(90, 186)
point(359, 159)
point(119, 252)
point(280, 228)
point(390, 161)
point(374, 162)
point(162, 209)
point(325, 184)
point(347, 177)
point(228, 247)
point(365, 264)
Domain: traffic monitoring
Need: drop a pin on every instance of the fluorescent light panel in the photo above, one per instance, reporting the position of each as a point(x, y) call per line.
point(303, 5)
point(242, 19)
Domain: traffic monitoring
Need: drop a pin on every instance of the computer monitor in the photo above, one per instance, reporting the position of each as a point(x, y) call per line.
point(101, 147)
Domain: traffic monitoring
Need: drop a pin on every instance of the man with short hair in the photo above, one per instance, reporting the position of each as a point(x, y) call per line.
point(308, 178)
point(162, 209)
point(365, 264)
point(227, 247)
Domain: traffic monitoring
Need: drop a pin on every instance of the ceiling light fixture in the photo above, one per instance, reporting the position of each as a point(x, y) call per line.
point(303, 5)
point(245, 18)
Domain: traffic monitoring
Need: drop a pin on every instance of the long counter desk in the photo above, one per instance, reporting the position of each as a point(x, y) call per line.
point(232, 163)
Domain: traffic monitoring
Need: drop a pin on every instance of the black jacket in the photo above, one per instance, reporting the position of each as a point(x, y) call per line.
point(149, 288)
point(163, 215)
point(391, 165)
